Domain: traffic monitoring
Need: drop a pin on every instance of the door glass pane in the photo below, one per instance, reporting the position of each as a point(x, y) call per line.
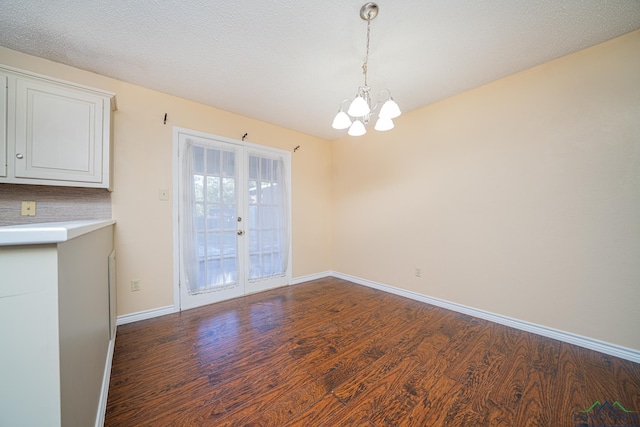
point(231, 270)
point(255, 270)
point(198, 160)
point(253, 242)
point(229, 190)
point(199, 213)
point(253, 167)
point(267, 265)
point(229, 164)
point(213, 244)
point(253, 214)
point(213, 162)
point(229, 244)
point(198, 187)
point(213, 189)
point(214, 270)
point(253, 191)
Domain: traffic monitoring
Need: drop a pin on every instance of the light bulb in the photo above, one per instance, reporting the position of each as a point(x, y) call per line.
point(341, 121)
point(359, 107)
point(389, 110)
point(384, 124)
point(357, 128)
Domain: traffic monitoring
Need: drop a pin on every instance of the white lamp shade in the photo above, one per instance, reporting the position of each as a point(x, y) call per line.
point(389, 110)
point(359, 107)
point(341, 120)
point(384, 124)
point(357, 128)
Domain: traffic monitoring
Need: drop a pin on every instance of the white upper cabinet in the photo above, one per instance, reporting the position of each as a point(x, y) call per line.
point(57, 133)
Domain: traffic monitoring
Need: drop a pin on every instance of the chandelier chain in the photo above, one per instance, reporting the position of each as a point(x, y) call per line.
point(366, 58)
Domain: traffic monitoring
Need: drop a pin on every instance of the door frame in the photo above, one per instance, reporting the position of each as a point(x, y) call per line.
point(177, 131)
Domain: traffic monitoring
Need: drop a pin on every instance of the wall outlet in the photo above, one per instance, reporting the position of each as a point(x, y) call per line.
point(163, 194)
point(418, 272)
point(135, 285)
point(28, 209)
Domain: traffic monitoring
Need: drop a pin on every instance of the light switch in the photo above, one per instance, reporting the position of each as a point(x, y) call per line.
point(164, 194)
point(28, 209)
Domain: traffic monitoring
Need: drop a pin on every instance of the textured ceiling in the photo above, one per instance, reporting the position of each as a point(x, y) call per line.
point(291, 62)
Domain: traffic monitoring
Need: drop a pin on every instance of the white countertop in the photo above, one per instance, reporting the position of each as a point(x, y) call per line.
point(48, 232)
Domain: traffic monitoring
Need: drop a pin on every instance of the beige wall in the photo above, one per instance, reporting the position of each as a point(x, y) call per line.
point(521, 197)
point(142, 163)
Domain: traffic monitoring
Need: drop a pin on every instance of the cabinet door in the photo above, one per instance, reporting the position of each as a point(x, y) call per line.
point(3, 125)
point(59, 132)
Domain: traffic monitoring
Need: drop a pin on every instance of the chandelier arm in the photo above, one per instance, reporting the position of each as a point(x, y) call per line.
point(374, 109)
point(384, 90)
point(343, 101)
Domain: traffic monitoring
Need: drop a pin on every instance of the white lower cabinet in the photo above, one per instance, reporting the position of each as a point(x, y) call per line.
point(3, 125)
point(56, 133)
point(55, 331)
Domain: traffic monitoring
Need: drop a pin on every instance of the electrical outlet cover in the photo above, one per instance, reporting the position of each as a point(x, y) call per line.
point(28, 209)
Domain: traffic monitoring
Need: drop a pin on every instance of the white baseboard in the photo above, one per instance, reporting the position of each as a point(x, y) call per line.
point(104, 392)
point(146, 314)
point(568, 337)
point(308, 278)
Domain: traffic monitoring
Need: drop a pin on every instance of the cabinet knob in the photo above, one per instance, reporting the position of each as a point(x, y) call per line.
point(19, 156)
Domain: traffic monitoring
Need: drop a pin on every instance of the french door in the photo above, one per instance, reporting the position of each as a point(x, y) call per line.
point(233, 218)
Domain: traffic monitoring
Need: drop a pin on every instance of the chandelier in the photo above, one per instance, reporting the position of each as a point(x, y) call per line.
point(360, 110)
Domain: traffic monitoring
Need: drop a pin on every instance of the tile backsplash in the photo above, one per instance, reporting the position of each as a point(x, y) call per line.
point(53, 203)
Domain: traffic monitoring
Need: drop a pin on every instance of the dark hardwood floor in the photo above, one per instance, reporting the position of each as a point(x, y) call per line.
point(332, 353)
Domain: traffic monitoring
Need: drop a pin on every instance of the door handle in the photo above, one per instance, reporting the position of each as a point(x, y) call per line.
point(240, 232)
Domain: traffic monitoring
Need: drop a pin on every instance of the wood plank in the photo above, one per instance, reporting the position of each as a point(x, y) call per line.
point(316, 414)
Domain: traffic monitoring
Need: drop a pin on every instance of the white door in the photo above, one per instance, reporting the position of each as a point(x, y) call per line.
point(233, 210)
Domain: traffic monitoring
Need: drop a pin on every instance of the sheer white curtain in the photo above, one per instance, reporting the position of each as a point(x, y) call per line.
point(189, 236)
point(269, 231)
point(208, 216)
